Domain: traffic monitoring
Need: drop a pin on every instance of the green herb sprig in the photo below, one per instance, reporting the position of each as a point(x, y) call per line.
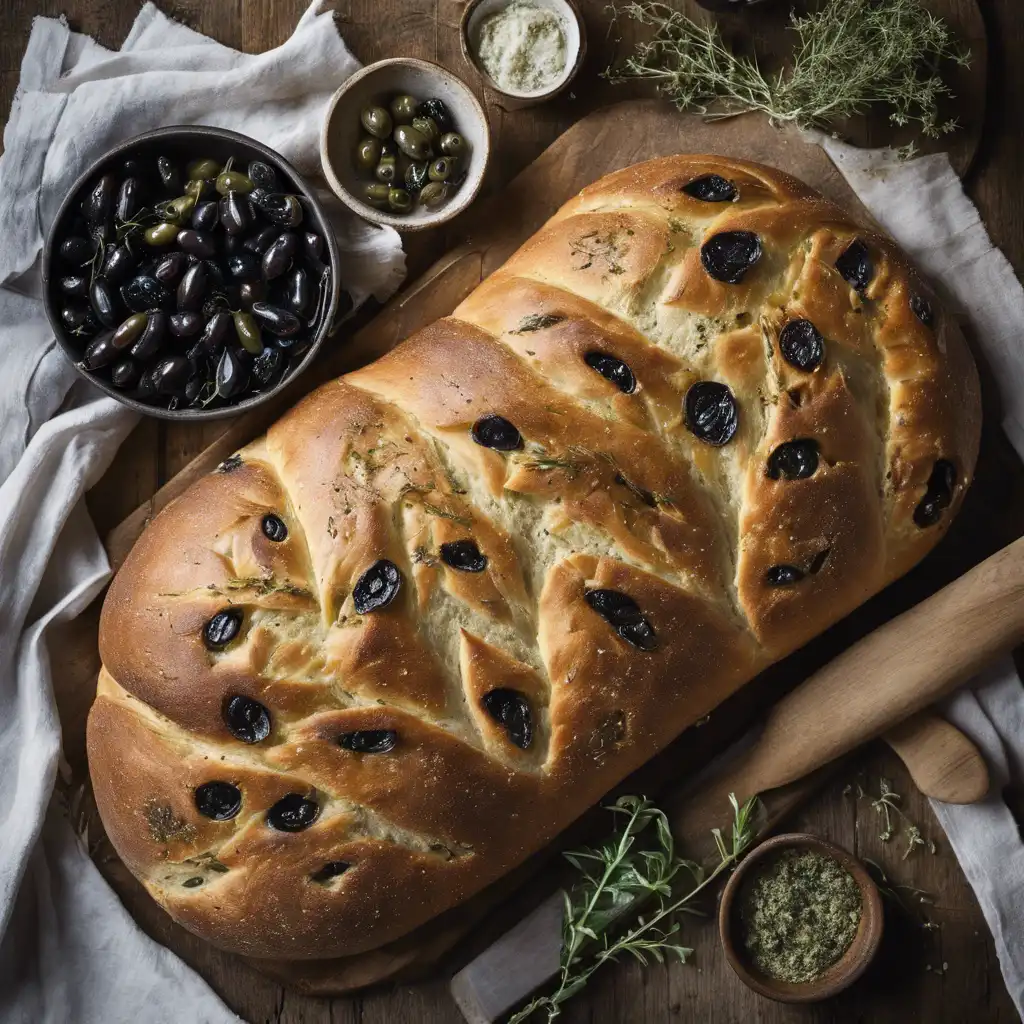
point(848, 55)
point(622, 876)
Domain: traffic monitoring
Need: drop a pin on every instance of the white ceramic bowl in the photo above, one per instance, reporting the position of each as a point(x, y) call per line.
point(375, 85)
point(477, 11)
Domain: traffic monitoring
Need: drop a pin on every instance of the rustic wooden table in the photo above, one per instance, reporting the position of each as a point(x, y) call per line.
point(946, 973)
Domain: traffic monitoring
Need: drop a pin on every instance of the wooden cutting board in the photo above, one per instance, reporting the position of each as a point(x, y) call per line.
point(604, 141)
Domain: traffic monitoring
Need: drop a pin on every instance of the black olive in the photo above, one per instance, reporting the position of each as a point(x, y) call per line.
point(152, 338)
point(274, 527)
point(278, 257)
point(100, 352)
point(281, 209)
point(98, 204)
point(463, 555)
point(377, 587)
point(369, 741)
point(79, 319)
point(299, 292)
point(493, 431)
point(143, 293)
point(235, 213)
point(194, 882)
point(119, 264)
point(206, 216)
point(222, 628)
point(939, 495)
point(330, 870)
point(855, 266)
point(170, 375)
point(170, 176)
point(74, 284)
point(197, 388)
point(783, 575)
point(197, 243)
point(711, 412)
point(126, 373)
point(262, 175)
point(312, 245)
point(218, 800)
point(728, 255)
point(76, 250)
point(247, 719)
point(712, 188)
point(793, 460)
point(230, 464)
point(613, 369)
point(192, 288)
point(231, 377)
point(250, 292)
point(276, 320)
point(623, 614)
point(129, 199)
point(267, 366)
point(802, 345)
point(436, 109)
point(511, 710)
point(243, 266)
point(185, 325)
point(260, 243)
point(293, 813)
point(169, 270)
point(922, 309)
point(215, 274)
point(104, 302)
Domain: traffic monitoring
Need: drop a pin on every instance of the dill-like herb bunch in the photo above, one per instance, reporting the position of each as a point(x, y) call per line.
point(622, 876)
point(848, 55)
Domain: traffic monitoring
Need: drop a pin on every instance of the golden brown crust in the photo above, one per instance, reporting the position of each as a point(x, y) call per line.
point(443, 737)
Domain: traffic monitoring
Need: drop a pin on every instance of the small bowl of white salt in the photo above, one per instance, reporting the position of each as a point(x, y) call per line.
point(527, 50)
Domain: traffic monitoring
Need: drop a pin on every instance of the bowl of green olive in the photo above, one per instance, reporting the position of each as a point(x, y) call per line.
point(405, 143)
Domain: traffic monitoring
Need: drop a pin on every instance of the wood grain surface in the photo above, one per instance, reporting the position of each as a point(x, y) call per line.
point(910, 981)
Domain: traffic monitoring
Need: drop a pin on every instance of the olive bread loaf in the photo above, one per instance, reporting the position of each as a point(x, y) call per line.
point(395, 645)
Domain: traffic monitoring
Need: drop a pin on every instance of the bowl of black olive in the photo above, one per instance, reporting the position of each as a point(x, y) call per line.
point(405, 143)
point(191, 273)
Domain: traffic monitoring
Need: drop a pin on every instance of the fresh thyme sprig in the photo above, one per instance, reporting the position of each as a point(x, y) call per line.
point(619, 878)
point(848, 55)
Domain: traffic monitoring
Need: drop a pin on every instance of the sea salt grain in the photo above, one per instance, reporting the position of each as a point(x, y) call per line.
point(522, 47)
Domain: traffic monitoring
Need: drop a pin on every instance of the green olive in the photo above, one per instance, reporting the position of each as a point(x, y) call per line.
point(441, 169)
point(434, 193)
point(248, 332)
point(368, 154)
point(399, 200)
point(234, 181)
point(161, 234)
point(453, 144)
point(428, 126)
point(403, 108)
point(177, 209)
point(201, 188)
point(416, 175)
point(375, 193)
point(412, 142)
point(377, 121)
point(205, 168)
point(387, 170)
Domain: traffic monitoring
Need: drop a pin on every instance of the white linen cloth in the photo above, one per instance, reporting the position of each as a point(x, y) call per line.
point(69, 952)
point(922, 204)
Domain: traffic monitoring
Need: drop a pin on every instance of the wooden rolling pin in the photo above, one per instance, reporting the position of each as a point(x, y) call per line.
point(881, 681)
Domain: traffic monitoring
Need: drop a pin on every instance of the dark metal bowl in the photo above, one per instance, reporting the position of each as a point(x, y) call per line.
point(188, 142)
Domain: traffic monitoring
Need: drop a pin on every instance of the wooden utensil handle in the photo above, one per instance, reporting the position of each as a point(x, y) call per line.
point(897, 670)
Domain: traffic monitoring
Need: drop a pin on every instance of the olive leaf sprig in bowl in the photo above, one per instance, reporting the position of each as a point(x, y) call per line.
point(630, 893)
point(848, 55)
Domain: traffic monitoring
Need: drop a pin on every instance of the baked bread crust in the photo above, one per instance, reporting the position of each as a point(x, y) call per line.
point(442, 737)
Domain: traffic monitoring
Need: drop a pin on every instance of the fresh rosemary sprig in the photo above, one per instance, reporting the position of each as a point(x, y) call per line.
point(848, 55)
point(619, 878)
